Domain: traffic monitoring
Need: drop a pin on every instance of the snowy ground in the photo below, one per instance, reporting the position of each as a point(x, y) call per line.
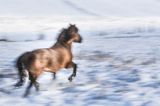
point(118, 62)
point(46, 28)
point(118, 65)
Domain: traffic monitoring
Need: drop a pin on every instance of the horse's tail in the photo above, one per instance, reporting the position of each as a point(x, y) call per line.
point(21, 69)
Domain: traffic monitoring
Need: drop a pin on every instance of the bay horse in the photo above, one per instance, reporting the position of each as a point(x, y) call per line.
point(49, 59)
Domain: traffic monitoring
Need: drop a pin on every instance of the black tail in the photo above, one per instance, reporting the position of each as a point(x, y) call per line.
point(21, 69)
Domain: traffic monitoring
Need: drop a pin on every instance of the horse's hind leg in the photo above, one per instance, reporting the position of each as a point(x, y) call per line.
point(22, 77)
point(72, 64)
point(28, 89)
point(30, 85)
point(33, 81)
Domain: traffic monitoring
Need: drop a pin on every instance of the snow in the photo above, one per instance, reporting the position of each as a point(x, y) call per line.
point(46, 28)
point(99, 8)
point(118, 61)
point(112, 71)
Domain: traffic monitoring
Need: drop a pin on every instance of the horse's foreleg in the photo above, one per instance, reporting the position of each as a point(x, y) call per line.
point(54, 75)
point(74, 71)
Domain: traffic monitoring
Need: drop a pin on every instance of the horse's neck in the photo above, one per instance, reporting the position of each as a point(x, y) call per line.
point(69, 46)
point(66, 45)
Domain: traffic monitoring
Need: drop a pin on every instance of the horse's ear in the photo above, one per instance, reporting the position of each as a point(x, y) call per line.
point(70, 24)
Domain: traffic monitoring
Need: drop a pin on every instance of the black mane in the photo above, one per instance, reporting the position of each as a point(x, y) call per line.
point(64, 36)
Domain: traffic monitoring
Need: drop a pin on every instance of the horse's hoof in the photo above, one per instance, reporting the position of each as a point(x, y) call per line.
point(37, 86)
point(25, 95)
point(37, 89)
point(18, 84)
point(74, 75)
point(70, 79)
point(54, 78)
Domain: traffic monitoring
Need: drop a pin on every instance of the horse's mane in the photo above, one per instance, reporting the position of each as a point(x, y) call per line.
point(63, 36)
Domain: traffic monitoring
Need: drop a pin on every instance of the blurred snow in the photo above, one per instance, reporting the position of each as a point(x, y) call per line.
point(101, 8)
point(24, 20)
point(47, 28)
point(111, 71)
point(118, 62)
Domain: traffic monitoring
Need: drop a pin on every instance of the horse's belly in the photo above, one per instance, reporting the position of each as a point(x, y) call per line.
point(49, 70)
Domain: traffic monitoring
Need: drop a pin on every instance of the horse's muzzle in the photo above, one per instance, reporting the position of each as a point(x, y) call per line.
point(80, 40)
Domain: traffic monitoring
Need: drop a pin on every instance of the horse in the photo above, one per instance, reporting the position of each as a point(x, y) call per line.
point(50, 59)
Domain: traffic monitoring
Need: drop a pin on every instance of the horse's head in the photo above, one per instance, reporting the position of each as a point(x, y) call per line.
point(73, 34)
point(70, 35)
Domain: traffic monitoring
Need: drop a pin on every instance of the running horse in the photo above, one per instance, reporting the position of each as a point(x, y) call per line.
point(49, 59)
